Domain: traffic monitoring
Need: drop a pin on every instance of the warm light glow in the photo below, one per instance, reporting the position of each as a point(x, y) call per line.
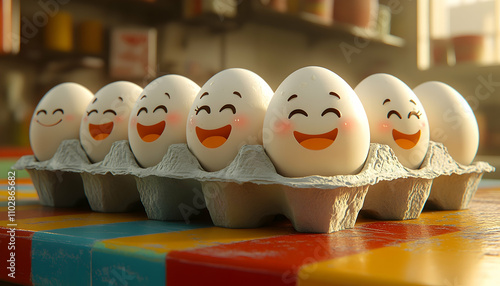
point(423, 42)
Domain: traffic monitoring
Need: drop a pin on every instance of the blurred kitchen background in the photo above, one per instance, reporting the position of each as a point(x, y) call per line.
point(94, 42)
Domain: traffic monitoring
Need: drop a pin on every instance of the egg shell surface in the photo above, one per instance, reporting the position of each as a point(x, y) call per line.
point(316, 125)
point(451, 120)
point(226, 114)
point(106, 118)
point(158, 118)
point(396, 116)
point(57, 118)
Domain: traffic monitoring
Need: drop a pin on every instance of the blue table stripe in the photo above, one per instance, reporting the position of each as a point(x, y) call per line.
point(117, 267)
point(60, 260)
point(75, 256)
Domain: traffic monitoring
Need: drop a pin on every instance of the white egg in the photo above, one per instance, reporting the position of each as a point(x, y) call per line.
point(316, 125)
point(227, 113)
point(159, 117)
point(451, 120)
point(107, 118)
point(57, 118)
point(396, 116)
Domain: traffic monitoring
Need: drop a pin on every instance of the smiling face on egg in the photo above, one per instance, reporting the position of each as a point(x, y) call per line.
point(159, 116)
point(57, 118)
point(226, 114)
point(316, 125)
point(107, 118)
point(397, 118)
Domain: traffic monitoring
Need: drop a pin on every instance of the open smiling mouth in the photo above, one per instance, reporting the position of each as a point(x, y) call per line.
point(316, 142)
point(213, 138)
point(405, 141)
point(100, 131)
point(49, 125)
point(150, 133)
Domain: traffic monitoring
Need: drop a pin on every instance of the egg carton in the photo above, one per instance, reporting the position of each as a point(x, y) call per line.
point(440, 182)
point(249, 192)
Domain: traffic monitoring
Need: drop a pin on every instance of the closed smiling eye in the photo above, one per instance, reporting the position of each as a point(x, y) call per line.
point(58, 110)
point(204, 107)
point(415, 113)
point(393, 112)
point(297, 111)
point(41, 111)
point(228, 106)
point(161, 107)
point(332, 110)
point(92, 111)
point(109, 111)
point(141, 110)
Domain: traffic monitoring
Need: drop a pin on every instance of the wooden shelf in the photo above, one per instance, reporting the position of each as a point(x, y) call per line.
point(252, 12)
point(256, 13)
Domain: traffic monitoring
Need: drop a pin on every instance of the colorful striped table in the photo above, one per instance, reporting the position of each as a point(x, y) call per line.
point(55, 246)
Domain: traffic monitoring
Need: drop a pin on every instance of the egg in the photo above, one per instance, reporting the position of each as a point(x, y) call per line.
point(57, 118)
point(158, 118)
point(227, 113)
point(316, 125)
point(451, 120)
point(396, 116)
point(106, 118)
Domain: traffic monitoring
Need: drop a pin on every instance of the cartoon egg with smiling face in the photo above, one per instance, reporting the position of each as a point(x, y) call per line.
point(226, 114)
point(316, 125)
point(159, 116)
point(396, 116)
point(107, 118)
point(57, 118)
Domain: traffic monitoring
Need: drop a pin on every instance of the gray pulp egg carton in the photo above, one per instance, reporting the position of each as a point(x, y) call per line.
point(109, 185)
point(102, 183)
point(249, 192)
point(440, 182)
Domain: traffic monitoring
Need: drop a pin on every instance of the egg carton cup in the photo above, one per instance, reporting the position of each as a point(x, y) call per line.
point(104, 191)
point(249, 192)
point(109, 185)
point(55, 187)
point(440, 181)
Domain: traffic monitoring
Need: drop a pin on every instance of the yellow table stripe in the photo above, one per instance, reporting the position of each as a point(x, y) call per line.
point(165, 242)
point(466, 257)
point(442, 260)
point(77, 220)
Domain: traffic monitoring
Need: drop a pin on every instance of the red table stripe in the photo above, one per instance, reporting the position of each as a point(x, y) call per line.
point(277, 260)
point(22, 255)
point(15, 152)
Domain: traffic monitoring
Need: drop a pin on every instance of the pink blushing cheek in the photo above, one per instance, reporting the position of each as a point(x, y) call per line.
point(69, 117)
point(173, 118)
point(85, 119)
point(240, 121)
point(347, 125)
point(283, 126)
point(120, 119)
point(385, 126)
point(192, 122)
point(133, 121)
